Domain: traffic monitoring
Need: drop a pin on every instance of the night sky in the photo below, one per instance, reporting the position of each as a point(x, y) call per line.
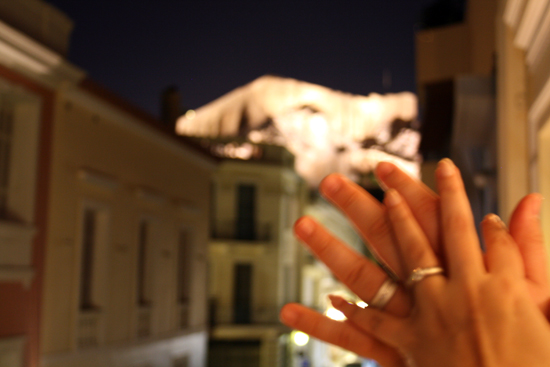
point(208, 48)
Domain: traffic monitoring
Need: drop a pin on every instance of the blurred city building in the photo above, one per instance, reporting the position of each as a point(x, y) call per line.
point(523, 103)
point(103, 215)
point(484, 91)
point(254, 259)
point(125, 281)
point(30, 74)
point(455, 68)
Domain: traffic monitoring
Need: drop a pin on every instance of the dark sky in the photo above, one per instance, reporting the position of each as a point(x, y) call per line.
point(207, 48)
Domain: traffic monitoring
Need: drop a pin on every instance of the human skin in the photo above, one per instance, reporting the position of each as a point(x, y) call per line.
point(479, 313)
point(364, 277)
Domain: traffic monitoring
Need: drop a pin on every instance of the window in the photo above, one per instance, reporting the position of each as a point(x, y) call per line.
point(246, 212)
point(93, 257)
point(86, 269)
point(19, 142)
point(184, 266)
point(143, 275)
point(242, 293)
point(6, 130)
point(184, 276)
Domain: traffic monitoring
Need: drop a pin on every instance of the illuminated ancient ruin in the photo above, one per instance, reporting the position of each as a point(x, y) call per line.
point(327, 130)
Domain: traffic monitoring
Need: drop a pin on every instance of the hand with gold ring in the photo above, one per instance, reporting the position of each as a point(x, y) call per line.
point(365, 278)
point(477, 312)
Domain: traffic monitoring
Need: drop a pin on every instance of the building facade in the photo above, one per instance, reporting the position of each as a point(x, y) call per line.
point(125, 280)
point(30, 73)
point(255, 261)
point(512, 50)
point(103, 215)
point(523, 79)
point(455, 69)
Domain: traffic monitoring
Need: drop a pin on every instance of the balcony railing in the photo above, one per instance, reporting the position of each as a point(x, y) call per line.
point(89, 328)
point(228, 230)
point(258, 315)
point(143, 322)
point(183, 314)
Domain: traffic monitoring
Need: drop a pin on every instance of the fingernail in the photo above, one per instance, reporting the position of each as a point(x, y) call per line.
point(446, 167)
point(535, 209)
point(496, 220)
point(392, 198)
point(331, 184)
point(288, 315)
point(337, 301)
point(305, 227)
point(383, 169)
point(381, 183)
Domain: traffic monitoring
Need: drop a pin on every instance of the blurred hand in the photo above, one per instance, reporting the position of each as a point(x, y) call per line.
point(364, 277)
point(479, 313)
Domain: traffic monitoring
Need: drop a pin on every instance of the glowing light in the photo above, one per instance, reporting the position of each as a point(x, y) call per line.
point(350, 358)
point(362, 304)
point(244, 151)
point(334, 314)
point(300, 339)
point(318, 128)
point(255, 136)
point(190, 114)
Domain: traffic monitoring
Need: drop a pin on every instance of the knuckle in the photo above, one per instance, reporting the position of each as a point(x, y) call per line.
point(451, 184)
point(399, 214)
point(355, 274)
point(344, 337)
point(379, 227)
point(428, 207)
point(460, 222)
point(535, 237)
point(348, 200)
point(374, 323)
point(322, 246)
point(417, 255)
point(506, 283)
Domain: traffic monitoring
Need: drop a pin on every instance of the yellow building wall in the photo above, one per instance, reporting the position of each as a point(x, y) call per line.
point(279, 198)
point(145, 175)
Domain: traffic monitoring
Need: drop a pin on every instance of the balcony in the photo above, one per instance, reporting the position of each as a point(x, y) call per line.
point(259, 315)
point(183, 314)
point(143, 322)
point(90, 324)
point(232, 231)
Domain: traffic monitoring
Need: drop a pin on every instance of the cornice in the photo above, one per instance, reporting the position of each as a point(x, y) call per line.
point(541, 41)
point(512, 12)
point(529, 24)
point(22, 54)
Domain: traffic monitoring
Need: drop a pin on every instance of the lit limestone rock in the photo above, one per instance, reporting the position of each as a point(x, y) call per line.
point(326, 130)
